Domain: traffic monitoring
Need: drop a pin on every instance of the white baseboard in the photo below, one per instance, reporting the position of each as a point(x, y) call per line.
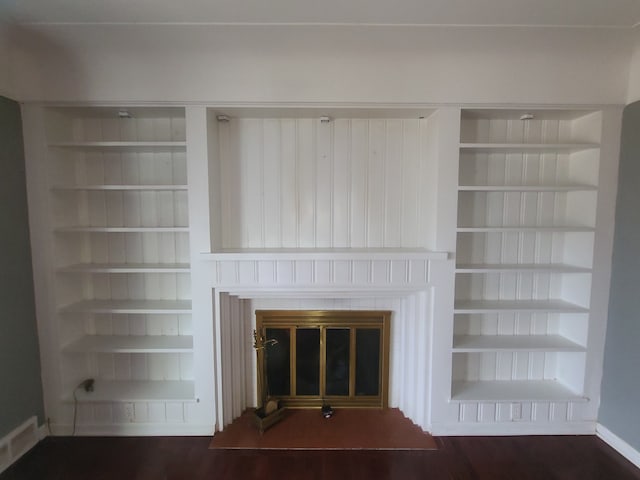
point(134, 429)
point(513, 428)
point(618, 444)
point(18, 442)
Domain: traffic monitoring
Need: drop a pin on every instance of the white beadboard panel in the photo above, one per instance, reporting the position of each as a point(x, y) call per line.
point(303, 183)
point(570, 287)
point(410, 273)
point(569, 327)
point(540, 247)
point(90, 169)
point(502, 126)
point(236, 331)
point(85, 124)
point(526, 209)
point(526, 169)
point(129, 208)
point(565, 367)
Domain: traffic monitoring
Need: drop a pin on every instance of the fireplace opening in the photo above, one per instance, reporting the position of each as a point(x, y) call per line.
point(316, 358)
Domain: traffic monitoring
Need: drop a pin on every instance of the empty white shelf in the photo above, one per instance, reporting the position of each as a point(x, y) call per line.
point(137, 391)
point(526, 188)
point(491, 306)
point(132, 344)
point(126, 268)
point(325, 253)
point(531, 229)
point(517, 268)
point(123, 145)
point(121, 229)
point(118, 188)
point(129, 306)
point(527, 147)
point(512, 391)
point(531, 343)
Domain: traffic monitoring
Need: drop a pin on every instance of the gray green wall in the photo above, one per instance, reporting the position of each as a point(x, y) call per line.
point(620, 405)
point(20, 383)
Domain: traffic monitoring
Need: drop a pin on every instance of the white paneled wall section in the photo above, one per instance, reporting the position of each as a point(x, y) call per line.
point(345, 183)
point(156, 237)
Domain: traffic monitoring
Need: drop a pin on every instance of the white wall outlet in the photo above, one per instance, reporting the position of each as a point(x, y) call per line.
point(516, 411)
point(129, 412)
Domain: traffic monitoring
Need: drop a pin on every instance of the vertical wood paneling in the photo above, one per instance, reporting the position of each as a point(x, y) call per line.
point(411, 185)
point(252, 171)
point(341, 182)
point(288, 184)
point(302, 183)
point(393, 183)
point(272, 136)
point(376, 193)
point(323, 185)
point(359, 182)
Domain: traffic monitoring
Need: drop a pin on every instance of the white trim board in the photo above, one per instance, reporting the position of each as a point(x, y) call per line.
point(135, 429)
point(512, 428)
point(18, 442)
point(618, 444)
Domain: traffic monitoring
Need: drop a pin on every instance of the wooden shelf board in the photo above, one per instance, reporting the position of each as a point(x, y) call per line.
point(129, 306)
point(126, 268)
point(513, 391)
point(527, 147)
point(123, 146)
point(120, 229)
point(132, 344)
point(531, 229)
point(137, 391)
point(518, 268)
point(73, 188)
point(325, 253)
point(511, 113)
point(486, 306)
point(531, 343)
point(526, 188)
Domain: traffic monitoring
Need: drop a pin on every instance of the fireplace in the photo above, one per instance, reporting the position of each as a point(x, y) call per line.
point(401, 285)
point(315, 358)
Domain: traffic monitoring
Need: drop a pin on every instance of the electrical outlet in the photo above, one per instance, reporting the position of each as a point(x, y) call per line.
point(129, 412)
point(516, 411)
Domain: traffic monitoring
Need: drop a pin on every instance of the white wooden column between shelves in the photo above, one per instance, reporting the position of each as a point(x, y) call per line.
point(199, 148)
point(603, 247)
point(446, 139)
point(37, 174)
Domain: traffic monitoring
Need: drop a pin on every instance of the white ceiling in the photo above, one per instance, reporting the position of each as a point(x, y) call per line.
point(571, 13)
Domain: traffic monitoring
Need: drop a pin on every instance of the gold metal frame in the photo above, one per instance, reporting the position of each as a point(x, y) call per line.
point(352, 319)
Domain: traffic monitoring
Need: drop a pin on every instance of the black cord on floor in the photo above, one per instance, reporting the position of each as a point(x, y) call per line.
point(75, 410)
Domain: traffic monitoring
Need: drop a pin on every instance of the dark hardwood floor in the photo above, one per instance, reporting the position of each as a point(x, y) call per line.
point(163, 458)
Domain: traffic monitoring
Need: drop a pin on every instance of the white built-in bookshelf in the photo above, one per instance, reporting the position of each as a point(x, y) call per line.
point(527, 200)
point(490, 235)
point(120, 261)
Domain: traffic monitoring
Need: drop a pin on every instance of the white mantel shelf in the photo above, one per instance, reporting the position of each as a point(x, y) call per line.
point(324, 254)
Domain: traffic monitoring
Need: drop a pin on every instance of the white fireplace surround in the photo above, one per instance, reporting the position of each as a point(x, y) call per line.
point(410, 285)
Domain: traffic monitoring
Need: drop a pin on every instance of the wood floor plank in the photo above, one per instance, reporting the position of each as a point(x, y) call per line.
point(177, 458)
point(307, 429)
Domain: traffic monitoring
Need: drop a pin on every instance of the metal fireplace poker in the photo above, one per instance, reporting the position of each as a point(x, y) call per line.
point(269, 412)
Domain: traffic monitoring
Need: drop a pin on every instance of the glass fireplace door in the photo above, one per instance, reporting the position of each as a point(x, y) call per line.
point(333, 357)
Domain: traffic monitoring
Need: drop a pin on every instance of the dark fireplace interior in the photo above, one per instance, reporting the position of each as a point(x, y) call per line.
point(330, 357)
